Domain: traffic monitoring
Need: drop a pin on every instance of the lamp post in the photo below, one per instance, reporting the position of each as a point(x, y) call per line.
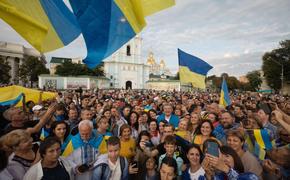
point(282, 68)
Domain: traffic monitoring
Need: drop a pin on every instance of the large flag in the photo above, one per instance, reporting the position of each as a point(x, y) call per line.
point(46, 24)
point(108, 24)
point(11, 95)
point(192, 69)
point(224, 97)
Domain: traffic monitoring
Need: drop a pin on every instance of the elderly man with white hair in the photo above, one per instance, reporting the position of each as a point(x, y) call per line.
point(82, 150)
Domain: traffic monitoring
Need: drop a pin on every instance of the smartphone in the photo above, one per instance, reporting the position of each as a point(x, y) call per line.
point(135, 164)
point(213, 149)
point(149, 144)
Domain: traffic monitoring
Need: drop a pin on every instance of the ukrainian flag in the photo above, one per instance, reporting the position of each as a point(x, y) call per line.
point(46, 24)
point(10, 101)
point(192, 69)
point(103, 145)
point(11, 95)
point(263, 138)
point(108, 24)
point(76, 142)
point(225, 97)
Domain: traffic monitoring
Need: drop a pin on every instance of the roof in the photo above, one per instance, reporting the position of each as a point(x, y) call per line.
point(59, 60)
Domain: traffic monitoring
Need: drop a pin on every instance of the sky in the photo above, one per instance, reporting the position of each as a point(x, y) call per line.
point(230, 35)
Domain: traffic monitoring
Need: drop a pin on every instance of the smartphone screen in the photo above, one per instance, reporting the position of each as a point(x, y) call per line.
point(213, 149)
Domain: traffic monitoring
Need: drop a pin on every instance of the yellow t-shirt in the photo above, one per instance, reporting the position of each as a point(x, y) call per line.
point(128, 148)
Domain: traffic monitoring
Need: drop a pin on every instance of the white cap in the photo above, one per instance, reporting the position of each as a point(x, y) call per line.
point(37, 108)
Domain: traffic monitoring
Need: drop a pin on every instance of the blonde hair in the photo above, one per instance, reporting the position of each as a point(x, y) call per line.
point(13, 138)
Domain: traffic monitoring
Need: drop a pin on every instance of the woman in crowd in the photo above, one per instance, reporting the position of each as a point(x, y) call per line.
point(20, 143)
point(235, 140)
point(182, 130)
point(204, 132)
point(133, 122)
point(152, 114)
point(154, 133)
point(194, 171)
point(60, 130)
point(194, 122)
point(227, 166)
point(128, 144)
point(143, 142)
point(51, 166)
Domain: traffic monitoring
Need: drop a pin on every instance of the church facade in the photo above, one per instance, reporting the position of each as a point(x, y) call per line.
point(125, 68)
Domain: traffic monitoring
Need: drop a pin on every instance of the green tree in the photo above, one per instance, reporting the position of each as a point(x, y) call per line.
point(273, 62)
point(255, 80)
point(31, 69)
point(4, 71)
point(71, 69)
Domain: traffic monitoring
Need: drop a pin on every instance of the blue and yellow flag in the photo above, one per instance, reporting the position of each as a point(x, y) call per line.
point(76, 142)
point(11, 95)
point(192, 69)
point(224, 97)
point(47, 25)
point(108, 24)
point(10, 101)
point(263, 138)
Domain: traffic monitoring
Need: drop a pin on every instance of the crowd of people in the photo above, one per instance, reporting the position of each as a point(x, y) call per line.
point(146, 135)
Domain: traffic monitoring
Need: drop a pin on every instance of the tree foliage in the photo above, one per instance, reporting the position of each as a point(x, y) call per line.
point(4, 71)
point(232, 82)
point(255, 80)
point(31, 69)
point(72, 69)
point(272, 65)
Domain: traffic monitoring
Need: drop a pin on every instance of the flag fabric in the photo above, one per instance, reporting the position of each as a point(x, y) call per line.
point(263, 138)
point(259, 152)
point(224, 97)
point(11, 93)
point(107, 25)
point(44, 133)
point(10, 101)
point(76, 142)
point(103, 145)
point(258, 141)
point(46, 25)
point(192, 69)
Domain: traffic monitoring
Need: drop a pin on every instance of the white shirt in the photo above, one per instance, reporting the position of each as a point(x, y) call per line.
point(195, 175)
point(115, 169)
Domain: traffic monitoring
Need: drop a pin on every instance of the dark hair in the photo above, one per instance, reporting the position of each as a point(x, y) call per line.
point(60, 107)
point(136, 124)
point(55, 124)
point(153, 120)
point(171, 162)
point(201, 123)
point(47, 143)
point(230, 113)
point(151, 110)
point(170, 140)
point(142, 133)
point(238, 165)
point(113, 140)
point(195, 146)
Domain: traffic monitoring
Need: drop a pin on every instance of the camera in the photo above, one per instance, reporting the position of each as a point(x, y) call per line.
point(83, 168)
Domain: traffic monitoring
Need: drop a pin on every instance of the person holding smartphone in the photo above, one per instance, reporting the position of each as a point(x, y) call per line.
point(227, 165)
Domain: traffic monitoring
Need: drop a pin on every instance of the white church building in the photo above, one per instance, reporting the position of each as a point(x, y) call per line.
point(125, 68)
